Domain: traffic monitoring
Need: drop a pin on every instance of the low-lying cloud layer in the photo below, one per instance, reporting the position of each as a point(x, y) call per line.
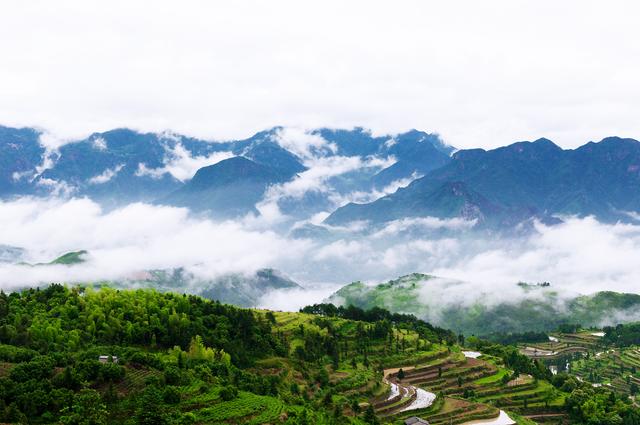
point(137, 237)
point(579, 256)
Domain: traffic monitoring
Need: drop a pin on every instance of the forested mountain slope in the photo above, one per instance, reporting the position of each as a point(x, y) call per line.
point(76, 355)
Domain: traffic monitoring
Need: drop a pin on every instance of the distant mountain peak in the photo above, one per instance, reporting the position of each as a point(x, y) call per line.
point(543, 141)
point(613, 139)
point(232, 170)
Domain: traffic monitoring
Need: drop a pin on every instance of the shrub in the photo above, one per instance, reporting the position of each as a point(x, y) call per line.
point(228, 393)
point(171, 395)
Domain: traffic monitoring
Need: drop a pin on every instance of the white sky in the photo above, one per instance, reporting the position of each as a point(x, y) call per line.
point(481, 73)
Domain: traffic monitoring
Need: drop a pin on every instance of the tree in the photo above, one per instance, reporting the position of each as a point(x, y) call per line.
point(328, 398)
point(632, 418)
point(198, 351)
point(370, 416)
point(295, 389)
point(401, 374)
point(111, 395)
point(228, 393)
point(87, 409)
point(150, 408)
point(171, 395)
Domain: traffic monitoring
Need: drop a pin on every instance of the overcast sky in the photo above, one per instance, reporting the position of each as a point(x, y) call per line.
point(481, 73)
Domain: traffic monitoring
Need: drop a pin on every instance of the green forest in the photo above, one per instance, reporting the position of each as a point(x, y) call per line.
point(77, 355)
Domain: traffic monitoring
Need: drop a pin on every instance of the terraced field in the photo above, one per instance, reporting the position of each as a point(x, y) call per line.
point(466, 389)
point(247, 408)
point(561, 345)
point(615, 368)
point(134, 379)
point(599, 365)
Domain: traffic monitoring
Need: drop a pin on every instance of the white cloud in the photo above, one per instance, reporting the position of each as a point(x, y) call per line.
point(632, 214)
point(449, 67)
point(51, 145)
point(181, 165)
point(50, 141)
point(303, 143)
point(100, 144)
point(396, 226)
point(578, 256)
point(106, 175)
point(57, 188)
point(362, 197)
point(17, 176)
point(295, 299)
point(315, 179)
point(320, 170)
point(127, 240)
point(340, 250)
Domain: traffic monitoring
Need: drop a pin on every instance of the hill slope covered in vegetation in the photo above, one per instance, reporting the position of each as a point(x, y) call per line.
point(533, 307)
point(77, 355)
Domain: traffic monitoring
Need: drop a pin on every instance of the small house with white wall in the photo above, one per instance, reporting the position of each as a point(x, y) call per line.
point(108, 359)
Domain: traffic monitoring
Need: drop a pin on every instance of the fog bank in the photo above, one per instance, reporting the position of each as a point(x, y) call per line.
point(581, 255)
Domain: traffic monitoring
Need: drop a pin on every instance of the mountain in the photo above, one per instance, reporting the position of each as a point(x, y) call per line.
point(121, 166)
point(504, 186)
point(360, 142)
point(356, 175)
point(244, 290)
point(229, 188)
point(69, 258)
point(262, 148)
point(416, 152)
point(529, 307)
point(74, 257)
point(11, 254)
point(20, 156)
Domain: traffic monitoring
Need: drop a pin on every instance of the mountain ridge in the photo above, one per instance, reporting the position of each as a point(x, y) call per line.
point(120, 166)
point(523, 180)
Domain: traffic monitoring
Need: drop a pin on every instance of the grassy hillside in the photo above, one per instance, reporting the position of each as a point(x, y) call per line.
point(534, 307)
point(74, 257)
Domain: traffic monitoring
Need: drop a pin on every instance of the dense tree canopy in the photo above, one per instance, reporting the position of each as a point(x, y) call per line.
point(58, 318)
point(377, 314)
